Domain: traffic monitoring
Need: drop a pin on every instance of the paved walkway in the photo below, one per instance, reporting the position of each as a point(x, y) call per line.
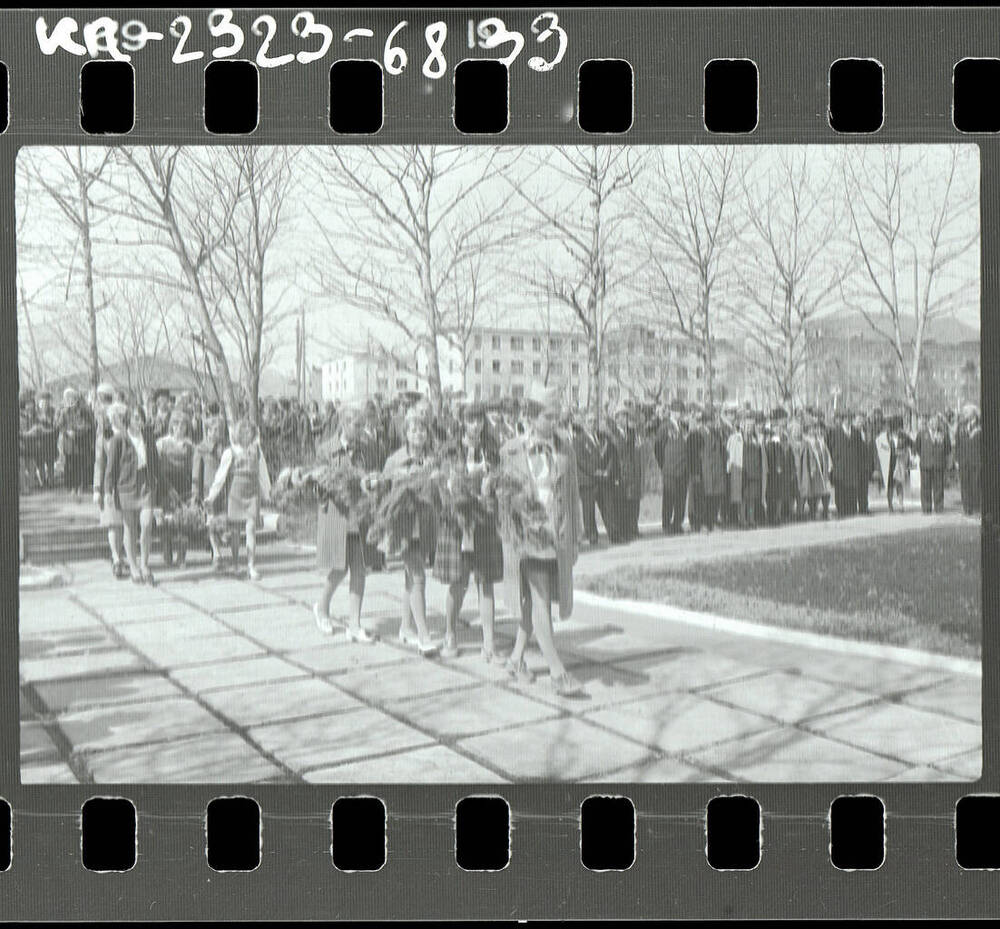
point(211, 680)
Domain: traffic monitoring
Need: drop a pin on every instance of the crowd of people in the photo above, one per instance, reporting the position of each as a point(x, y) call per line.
point(506, 492)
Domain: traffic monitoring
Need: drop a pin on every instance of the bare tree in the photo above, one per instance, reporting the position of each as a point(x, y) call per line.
point(914, 218)
point(787, 270)
point(579, 195)
point(69, 180)
point(689, 225)
point(405, 233)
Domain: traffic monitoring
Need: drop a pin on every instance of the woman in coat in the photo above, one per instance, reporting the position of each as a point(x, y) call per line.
point(415, 455)
point(539, 568)
point(898, 469)
point(629, 448)
point(813, 471)
point(76, 441)
point(175, 453)
point(131, 482)
point(110, 515)
point(968, 457)
point(341, 547)
point(464, 554)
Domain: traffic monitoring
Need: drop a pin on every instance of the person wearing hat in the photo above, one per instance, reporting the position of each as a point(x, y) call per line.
point(780, 469)
point(696, 484)
point(712, 466)
point(627, 444)
point(538, 564)
point(755, 475)
point(596, 473)
point(471, 552)
point(933, 446)
point(845, 465)
point(76, 442)
point(968, 457)
point(863, 449)
point(46, 436)
point(671, 453)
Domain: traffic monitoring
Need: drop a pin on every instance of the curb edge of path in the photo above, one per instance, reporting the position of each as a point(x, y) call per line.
point(910, 656)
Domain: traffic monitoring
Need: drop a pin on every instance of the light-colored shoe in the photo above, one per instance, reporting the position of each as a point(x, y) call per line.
point(408, 638)
point(253, 573)
point(322, 622)
point(360, 635)
point(428, 649)
point(520, 671)
point(565, 685)
point(449, 649)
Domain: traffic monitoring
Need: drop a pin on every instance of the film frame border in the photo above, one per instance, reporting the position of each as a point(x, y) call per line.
point(667, 50)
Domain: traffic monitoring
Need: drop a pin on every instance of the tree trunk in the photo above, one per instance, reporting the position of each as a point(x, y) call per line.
point(88, 270)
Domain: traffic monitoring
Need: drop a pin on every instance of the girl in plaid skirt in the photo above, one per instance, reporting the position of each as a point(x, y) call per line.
point(463, 552)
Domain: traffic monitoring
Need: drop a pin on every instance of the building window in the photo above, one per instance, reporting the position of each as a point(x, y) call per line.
point(576, 393)
point(516, 343)
point(536, 367)
point(575, 368)
point(496, 390)
point(697, 372)
point(400, 383)
point(479, 391)
point(682, 374)
point(556, 367)
point(517, 367)
point(479, 365)
point(536, 345)
point(496, 366)
point(613, 369)
point(576, 345)
point(701, 394)
point(517, 390)
point(555, 344)
point(649, 372)
point(495, 342)
point(477, 341)
point(681, 393)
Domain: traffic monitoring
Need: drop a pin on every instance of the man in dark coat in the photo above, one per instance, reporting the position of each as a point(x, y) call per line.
point(863, 447)
point(671, 456)
point(713, 468)
point(968, 457)
point(933, 446)
point(696, 486)
point(844, 465)
point(780, 477)
point(597, 471)
point(626, 439)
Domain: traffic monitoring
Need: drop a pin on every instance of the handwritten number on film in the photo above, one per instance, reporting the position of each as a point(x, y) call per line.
point(103, 35)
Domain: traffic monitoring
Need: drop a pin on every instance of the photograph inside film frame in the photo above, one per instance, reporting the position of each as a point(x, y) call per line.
point(418, 464)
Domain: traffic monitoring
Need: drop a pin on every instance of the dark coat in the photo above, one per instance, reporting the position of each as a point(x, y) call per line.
point(130, 487)
point(671, 451)
point(933, 452)
point(204, 464)
point(864, 456)
point(629, 452)
point(713, 464)
point(596, 461)
point(780, 470)
point(968, 451)
point(843, 457)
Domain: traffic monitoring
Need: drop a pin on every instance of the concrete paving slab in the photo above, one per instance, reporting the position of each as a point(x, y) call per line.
point(403, 681)
point(221, 757)
point(201, 679)
point(48, 772)
point(36, 744)
point(566, 749)
point(968, 766)
point(433, 765)
point(961, 696)
point(58, 642)
point(788, 697)
point(252, 705)
point(179, 653)
point(193, 625)
point(659, 771)
point(789, 755)
point(38, 615)
point(136, 724)
point(912, 735)
point(83, 665)
point(323, 741)
point(342, 655)
point(922, 773)
point(878, 677)
point(125, 614)
point(467, 712)
point(214, 594)
point(686, 669)
point(679, 722)
point(69, 696)
point(281, 629)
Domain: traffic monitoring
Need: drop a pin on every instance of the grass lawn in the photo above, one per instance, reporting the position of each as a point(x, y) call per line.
point(919, 589)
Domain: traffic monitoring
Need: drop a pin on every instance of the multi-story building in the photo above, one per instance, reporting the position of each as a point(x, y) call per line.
point(503, 362)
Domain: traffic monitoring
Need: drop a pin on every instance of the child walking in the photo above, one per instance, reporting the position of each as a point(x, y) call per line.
point(243, 472)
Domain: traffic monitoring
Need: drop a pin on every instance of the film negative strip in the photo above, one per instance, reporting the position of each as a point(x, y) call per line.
point(535, 463)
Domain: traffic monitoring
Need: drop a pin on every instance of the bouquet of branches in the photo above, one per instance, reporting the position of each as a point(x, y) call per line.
point(462, 502)
point(183, 517)
point(398, 513)
point(340, 482)
point(528, 516)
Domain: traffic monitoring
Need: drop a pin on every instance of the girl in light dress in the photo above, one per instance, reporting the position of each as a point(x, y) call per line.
point(242, 472)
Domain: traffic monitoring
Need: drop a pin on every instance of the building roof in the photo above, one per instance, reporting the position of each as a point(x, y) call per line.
point(849, 324)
